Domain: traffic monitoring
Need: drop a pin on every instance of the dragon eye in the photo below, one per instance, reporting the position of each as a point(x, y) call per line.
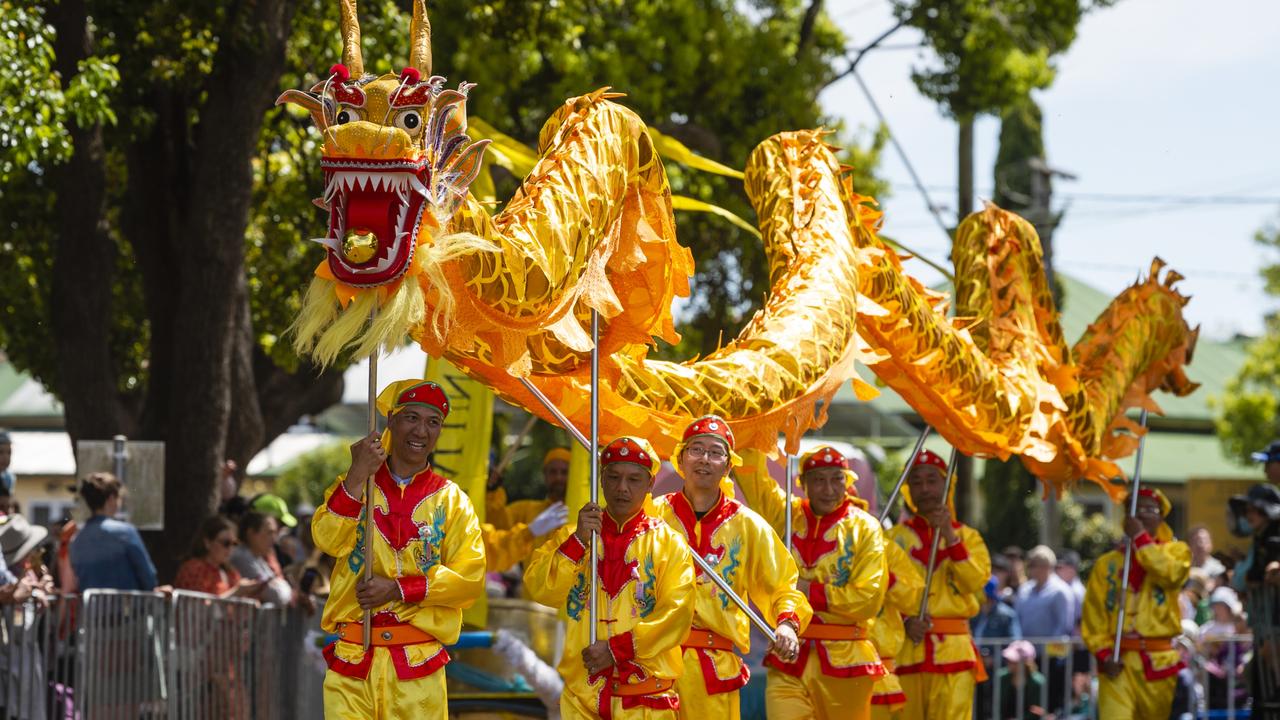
point(346, 114)
point(409, 121)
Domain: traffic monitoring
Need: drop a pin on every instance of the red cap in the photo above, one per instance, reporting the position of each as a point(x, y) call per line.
point(928, 457)
point(709, 426)
point(826, 457)
point(427, 393)
point(634, 450)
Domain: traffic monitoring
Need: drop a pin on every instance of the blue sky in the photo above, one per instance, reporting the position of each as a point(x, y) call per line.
point(1167, 98)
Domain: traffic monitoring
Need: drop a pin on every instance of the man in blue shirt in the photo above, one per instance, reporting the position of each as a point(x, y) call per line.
point(107, 553)
point(1046, 608)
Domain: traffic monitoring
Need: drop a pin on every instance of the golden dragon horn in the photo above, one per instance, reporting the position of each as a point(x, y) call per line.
point(420, 39)
point(351, 56)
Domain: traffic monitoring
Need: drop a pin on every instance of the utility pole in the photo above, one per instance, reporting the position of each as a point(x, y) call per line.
point(966, 487)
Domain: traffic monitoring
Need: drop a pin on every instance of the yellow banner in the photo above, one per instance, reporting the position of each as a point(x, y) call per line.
point(462, 454)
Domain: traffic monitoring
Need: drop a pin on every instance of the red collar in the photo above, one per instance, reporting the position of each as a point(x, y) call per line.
point(811, 547)
point(614, 569)
point(698, 532)
point(396, 524)
point(924, 531)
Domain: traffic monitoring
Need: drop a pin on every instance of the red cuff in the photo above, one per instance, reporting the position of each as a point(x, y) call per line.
point(1103, 655)
point(957, 552)
point(623, 647)
point(791, 618)
point(413, 589)
point(818, 596)
point(573, 548)
point(341, 503)
point(1142, 540)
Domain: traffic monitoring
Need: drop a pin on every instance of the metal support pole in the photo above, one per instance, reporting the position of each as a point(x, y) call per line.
point(368, 482)
point(595, 465)
point(906, 469)
point(937, 538)
point(1128, 545)
point(555, 412)
point(791, 483)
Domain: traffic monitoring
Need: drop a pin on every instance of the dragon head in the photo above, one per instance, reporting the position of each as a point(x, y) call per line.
point(396, 157)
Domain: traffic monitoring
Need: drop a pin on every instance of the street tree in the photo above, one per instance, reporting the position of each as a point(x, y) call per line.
point(157, 202)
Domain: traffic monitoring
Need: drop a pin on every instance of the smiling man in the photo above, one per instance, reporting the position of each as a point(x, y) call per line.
point(428, 564)
point(645, 601)
point(750, 557)
point(938, 665)
point(839, 549)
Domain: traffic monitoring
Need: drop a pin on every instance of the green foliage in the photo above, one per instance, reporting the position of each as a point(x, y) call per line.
point(990, 53)
point(306, 478)
point(1014, 510)
point(37, 106)
point(1248, 413)
point(1021, 139)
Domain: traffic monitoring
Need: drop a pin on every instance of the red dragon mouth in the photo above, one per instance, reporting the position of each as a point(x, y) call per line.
point(381, 198)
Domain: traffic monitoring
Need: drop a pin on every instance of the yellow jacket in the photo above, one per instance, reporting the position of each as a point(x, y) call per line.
point(962, 570)
point(645, 604)
point(425, 537)
point(753, 560)
point(504, 548)
point(901, 599)
point(1159, 571)
point(841, 555)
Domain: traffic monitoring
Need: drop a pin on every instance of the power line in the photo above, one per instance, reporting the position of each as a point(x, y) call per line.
point(1149, 199)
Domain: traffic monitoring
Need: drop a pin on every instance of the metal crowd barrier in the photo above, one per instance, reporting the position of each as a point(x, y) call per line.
point(112, 655)
point(1064, 665)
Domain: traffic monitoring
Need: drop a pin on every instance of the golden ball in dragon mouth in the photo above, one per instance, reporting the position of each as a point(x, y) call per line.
point(359, 246)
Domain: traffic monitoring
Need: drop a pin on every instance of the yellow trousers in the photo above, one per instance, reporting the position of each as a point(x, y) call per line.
point(814, 695)
point(1132, 695)
point(572, 707)
point(938, 696)
point(382, 696)
point(695, 702)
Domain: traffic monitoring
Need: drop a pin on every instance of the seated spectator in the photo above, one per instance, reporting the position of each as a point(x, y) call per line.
point(1020, 683)
point(1223, 656)
point(255, 557)
point(23, 575)
point(107, 553)
point(208, 569)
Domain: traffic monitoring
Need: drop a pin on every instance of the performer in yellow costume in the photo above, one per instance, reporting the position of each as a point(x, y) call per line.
point(901, 599)
point(645, 599)
point(839, 549)
point(555, 475)
point(428, 564)
point(1141, 682)
point(939, 665)
point(747, 553)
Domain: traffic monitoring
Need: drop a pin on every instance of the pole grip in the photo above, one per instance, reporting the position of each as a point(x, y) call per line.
point(1128, 542)
point(937, 539)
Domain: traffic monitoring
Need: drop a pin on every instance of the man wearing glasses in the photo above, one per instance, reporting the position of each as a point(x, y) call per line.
point(1141, 682)
point(747, 553)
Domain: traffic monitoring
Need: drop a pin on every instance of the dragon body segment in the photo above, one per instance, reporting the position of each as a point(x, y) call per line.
point(509, 295)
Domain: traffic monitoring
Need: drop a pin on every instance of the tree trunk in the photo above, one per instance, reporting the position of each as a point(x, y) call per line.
point(964, 205)
point(84, 259)
point(196, 400)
